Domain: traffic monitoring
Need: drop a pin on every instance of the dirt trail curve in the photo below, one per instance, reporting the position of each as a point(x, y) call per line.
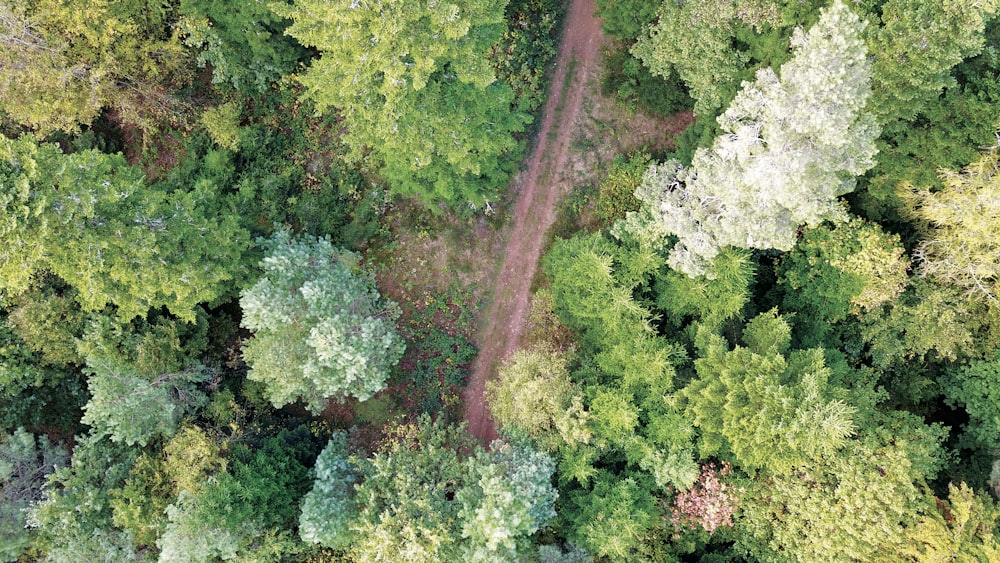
point(539, 190)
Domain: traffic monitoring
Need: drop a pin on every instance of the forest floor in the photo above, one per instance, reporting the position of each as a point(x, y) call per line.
point(580, 134)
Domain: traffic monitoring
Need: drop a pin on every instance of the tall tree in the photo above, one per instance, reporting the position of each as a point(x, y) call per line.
point(960, 222)
point(88, 218)
point(321, 330)
point(915, 48)
point(62, 61)
point(416, 90)
point(790, 147)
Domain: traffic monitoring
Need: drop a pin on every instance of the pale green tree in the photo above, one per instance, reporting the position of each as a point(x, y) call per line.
point(959, 245)
point(328, 509)
point(321, 329)
point(134, 409)
point(509, 497)
point(789, 148)
point(963, 529)
point(415, 89)
point(533, 394)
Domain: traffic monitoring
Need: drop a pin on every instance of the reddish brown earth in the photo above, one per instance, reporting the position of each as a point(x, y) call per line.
point(535, 209)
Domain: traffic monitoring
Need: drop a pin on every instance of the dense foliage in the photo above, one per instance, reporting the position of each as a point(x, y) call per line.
point(779, 342)
point(321, 330)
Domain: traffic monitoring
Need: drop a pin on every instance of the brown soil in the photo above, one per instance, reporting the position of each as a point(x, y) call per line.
point(535, 210)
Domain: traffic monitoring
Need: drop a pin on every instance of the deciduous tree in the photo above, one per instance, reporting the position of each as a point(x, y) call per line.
point(960, 223)
point(321, 329)
point(416, 90)
point(62, 61)
point(789, 148)
point(88, 218)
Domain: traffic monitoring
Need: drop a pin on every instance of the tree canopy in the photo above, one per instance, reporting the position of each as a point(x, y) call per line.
point(321, 329)
point(416, 90)
point(790, 146)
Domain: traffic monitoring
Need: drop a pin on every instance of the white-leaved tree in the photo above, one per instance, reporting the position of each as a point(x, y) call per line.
point(789, 147)
point(321, 329)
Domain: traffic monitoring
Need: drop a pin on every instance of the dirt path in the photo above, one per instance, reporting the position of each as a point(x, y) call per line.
point(538, 195)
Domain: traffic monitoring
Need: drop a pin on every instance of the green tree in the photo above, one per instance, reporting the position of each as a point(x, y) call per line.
point(625, 19)
point(712, 302)
point(88, 218)
point(929, 321)
point(157, 478)
point(790, 147)
point(916, 47)
point(613, 517)
point(975, 386)
point(74, 519)
point(321, 330)
point(407, 499)
point(836, 270)
point(617, 189)
point(49, 321)
point(245, 510)
point(65, 60)
point(852, 506)
point(25, 461)
point(763, 405)
point(415, 88)
point(695, 39)
point(242, 42)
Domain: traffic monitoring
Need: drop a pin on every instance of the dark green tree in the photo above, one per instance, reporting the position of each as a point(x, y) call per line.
point(243, 42)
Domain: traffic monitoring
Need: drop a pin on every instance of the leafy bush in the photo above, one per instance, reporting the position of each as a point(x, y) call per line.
point(634, 86)
point(434, 370)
